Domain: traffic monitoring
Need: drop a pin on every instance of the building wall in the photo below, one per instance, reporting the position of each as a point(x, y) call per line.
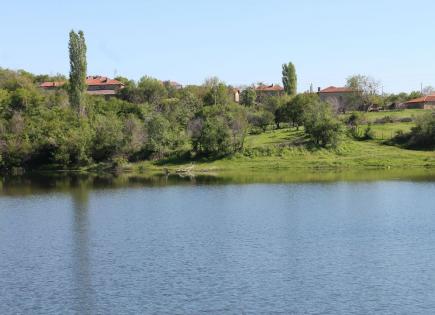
point(236, 97)
point(339, 101)
point(429, 105)
point(262, 95)
point(102, 87)
point(415, 105)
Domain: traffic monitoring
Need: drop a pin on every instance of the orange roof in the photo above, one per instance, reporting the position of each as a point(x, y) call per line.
point(91, 80)
point(99, 80)
point(272, 87)
point(423, 99)
point(51, 84)
point(333, 89)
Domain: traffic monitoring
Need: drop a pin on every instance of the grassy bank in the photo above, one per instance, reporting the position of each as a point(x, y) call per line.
point(286, 149)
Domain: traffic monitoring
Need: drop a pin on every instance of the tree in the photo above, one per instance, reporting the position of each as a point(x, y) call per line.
point(295, 108)
point(260, 118)
point(78, 67)
point(289, 79)
point(108, 136)
point(151, 90)
point(248, 96)
point(5, 100)
point(365, 91)
point(413, 95)
point(321, 125)
point(217, 92)
point(423, 134)
point(219, 130)
point(427, 90)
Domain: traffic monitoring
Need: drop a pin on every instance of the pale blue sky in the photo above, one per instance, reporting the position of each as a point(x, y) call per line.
point(241, 42)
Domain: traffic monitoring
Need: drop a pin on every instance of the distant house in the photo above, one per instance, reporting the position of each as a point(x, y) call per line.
point(51, 85)
point(269, 90)
point(236, 95)
point(424, 102)
point(97, 85)
point(338, 97)
point(172, 84)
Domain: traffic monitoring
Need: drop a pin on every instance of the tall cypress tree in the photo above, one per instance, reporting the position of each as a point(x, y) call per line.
point(289, 79)
point(77, 74)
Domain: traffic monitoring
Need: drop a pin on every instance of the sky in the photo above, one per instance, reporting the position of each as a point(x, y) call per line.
point(242, 42)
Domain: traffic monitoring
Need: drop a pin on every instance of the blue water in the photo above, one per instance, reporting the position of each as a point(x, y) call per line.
point(312, 248)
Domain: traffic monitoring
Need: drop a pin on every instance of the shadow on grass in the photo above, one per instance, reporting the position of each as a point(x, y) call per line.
point(186, 157)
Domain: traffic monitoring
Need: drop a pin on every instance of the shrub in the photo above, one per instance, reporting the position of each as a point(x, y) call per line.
point(423, 134)
point(369, 133)
point(321, 125)
point(219, 130)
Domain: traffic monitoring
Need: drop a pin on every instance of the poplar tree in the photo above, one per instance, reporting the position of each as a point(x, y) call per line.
point(289, 79)
point(77, 74)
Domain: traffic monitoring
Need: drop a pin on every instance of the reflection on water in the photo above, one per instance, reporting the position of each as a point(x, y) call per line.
point(81, 269)
point(65, 182)
point(329, 243)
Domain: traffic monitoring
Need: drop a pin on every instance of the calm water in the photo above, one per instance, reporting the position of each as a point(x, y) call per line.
point(150, 247)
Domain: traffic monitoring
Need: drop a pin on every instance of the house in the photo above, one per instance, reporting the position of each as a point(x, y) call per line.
point(172, 84)
point(97, 85)
point(269, 90)
point(424, 102)
point(236, 95)
point(51, 85)
point(338, 97)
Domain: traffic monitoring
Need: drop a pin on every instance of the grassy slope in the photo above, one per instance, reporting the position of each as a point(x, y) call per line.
point(281, 149)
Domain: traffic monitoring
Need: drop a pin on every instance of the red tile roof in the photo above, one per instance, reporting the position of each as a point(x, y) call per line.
point(91, 80)
point(99, 80)
point(333, 89)
point(423, 99)
point(272, 87)
point(51, 84)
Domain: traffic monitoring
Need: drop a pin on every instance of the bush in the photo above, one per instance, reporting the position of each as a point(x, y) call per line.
point(321, 125)
point(219, 130)
point(260, 119)
point(369, 133)
point(423, 134)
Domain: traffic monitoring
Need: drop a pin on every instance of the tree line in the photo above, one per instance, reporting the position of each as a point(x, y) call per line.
point(148, 119)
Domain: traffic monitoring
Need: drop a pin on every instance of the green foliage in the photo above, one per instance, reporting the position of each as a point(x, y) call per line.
point(293, 110)
point(365, 92)
point(368, 132)
point(260, 118)
point(321, 125)
point(5, 101)
point(248, 97)
point(78, 67)
point(151, 90)
point(289, 79)
point(108, 138)
point(217, 92)
point(423, 134)
point(219, 130)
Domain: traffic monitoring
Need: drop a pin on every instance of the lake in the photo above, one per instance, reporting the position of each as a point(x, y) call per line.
point(340, 244)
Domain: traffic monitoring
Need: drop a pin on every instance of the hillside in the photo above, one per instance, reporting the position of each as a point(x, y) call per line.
point(286, 149)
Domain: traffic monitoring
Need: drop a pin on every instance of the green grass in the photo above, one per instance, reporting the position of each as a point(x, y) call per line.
point(274, 137)
point(372, 116)
point(388, 130)
point(278, 150)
